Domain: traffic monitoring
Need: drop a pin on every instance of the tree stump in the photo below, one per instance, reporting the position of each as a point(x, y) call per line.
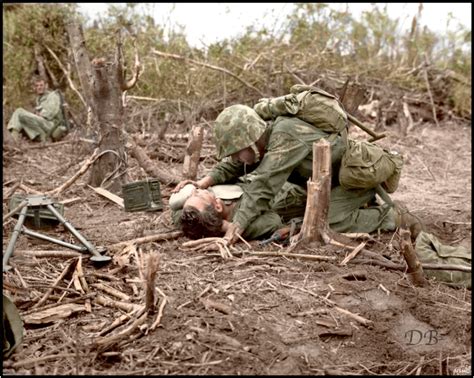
point(315, 226)
point(415, 270)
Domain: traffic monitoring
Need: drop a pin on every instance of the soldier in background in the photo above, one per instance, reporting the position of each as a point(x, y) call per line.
point(48, 119)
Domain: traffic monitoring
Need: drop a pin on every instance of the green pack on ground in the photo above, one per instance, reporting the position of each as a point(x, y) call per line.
point(310, 104)
point(429, 250)
point(365, 165)
point(142, 196)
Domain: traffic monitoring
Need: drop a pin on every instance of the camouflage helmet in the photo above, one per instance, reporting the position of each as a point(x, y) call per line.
point(237, 127)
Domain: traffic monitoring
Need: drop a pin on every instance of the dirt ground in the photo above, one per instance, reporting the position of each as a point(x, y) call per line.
point(245, 315)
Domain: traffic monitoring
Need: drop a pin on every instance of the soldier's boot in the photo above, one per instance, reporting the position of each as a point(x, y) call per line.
point(406, 220)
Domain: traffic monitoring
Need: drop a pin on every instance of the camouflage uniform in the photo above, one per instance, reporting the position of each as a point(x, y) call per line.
point(288, 157)
point(49, 123)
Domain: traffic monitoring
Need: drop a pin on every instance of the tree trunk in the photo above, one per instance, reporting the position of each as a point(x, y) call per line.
point(81, 58)
point(102, 83)
point(107, 99)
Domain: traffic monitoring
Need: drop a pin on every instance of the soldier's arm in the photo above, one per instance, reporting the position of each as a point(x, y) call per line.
point(227, 170)
point(263, 226)
point(283, 155)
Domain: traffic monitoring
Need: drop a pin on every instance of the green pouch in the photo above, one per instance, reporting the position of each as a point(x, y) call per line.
point(430, 250)
point(365, 165)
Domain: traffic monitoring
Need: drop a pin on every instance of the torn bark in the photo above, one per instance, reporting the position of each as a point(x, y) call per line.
point(315, 225)
point(415, 270)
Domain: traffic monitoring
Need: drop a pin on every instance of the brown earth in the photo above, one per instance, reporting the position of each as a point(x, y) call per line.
point(248, 314)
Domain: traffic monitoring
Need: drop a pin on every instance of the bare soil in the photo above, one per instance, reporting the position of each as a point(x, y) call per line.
point(248, 314)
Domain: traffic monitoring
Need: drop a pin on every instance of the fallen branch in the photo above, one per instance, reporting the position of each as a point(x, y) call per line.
point(63, 254)
point(149, 239)
point(64, 273)
point(353, 254)
point(68, 76)
point(148, 165)
point(104, 301)
point(160, 312)
point(81, 171)
point(220, 69)
point(110, 290)
point(356, 317)
point(296, 255)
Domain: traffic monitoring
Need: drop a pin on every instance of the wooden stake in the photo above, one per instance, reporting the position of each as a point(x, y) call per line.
point(319, 189)
point(415, 270)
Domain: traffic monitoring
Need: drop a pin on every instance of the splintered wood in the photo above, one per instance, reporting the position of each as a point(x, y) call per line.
point(319, 189)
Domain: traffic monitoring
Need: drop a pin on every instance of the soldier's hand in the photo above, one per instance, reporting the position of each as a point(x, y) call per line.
point(232, 234)
point(203, 183)
point(182, 184)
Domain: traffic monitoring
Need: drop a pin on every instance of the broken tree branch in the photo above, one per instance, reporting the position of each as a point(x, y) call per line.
point(220, 69)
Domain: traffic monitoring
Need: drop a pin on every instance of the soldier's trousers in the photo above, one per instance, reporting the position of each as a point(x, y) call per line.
point(34, 126)
point(349, 211)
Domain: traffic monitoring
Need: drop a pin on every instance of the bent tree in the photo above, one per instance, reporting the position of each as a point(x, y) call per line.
point(103, 83)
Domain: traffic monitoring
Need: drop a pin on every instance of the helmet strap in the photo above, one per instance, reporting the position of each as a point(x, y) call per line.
point(254, 148)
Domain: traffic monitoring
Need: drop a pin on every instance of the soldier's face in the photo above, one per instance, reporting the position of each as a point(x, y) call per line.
point(39, 87)
point(201, 199)
point(246, 156)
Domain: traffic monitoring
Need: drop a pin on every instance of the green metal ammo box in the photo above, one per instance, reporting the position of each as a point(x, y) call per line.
point(39, 215)
point(142, 196)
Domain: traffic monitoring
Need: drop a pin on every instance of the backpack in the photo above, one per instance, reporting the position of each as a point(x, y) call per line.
point(365, 165)
point(310, 104)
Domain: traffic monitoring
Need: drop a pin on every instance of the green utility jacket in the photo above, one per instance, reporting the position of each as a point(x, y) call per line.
point(288, 157)
point(49, 107)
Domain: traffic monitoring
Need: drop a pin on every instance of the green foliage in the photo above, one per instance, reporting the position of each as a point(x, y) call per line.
point(24, 27)
point(315, 42)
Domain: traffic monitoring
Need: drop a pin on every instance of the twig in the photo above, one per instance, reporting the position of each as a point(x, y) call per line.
point(64, 254)
point(353, 254)
point(433, 108)
point(110, 290)
point(66, 270)
point(104, 301)
point(68, 76)
point(179, 57)
point(356, 317)
point(152, 268)
point(148, 239)
point(19, 207)
point(160, 313)
point(296, 255)
point(81, 171)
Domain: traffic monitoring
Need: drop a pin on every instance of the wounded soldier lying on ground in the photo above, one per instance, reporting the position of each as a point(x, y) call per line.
point(208, 212)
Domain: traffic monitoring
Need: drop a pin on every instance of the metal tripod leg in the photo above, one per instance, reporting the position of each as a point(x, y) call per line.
point(97, 256)
point(15, 234)
point(29, 232)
